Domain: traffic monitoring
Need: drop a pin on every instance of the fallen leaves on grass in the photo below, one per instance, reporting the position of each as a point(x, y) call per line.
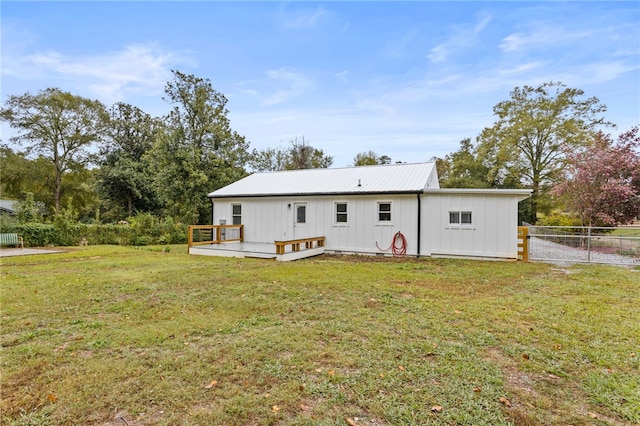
point(505, 401)
point(211, 384)
point(304, 407)
point(275, 409)
point(436, 409)
point(553, 376)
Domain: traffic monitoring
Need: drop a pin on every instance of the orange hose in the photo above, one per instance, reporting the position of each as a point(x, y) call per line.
point(398, 250)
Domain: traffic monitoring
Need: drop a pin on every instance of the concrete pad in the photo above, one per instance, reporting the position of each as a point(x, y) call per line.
point(8, 252)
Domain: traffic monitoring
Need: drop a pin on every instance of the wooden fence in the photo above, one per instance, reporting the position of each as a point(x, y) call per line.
point(213, 234)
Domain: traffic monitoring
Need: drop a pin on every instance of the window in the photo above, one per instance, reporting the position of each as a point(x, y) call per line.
point(236, 214)
point(384, 212)
point(301, 213)
point(460, 218)
point(341, 213)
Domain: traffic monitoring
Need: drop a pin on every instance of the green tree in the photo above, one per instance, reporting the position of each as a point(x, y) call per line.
point(304, 156)
point(464, 169)
point(57, 125)
point(198, 152)
point(20, 174)
point(534, 130)
point(268, 160)
point(29, 210)
point(299, 155)
point(80, 193)
point(124, 175)
point(370, 158)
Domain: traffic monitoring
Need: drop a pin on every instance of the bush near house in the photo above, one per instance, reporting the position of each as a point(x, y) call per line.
point(136, 233)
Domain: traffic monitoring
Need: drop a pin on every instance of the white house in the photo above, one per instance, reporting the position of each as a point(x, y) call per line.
point(386, 209)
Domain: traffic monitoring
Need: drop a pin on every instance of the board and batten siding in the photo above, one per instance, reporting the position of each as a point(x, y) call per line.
point(267, 219)
point(492, 234)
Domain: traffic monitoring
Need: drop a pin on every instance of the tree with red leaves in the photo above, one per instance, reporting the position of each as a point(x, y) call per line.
point(603, 180)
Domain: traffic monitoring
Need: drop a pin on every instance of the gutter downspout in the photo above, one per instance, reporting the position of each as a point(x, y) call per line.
point(419, 221)
point(211, 211)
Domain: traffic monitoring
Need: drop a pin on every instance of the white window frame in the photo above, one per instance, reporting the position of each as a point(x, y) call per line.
point(336, 213)
point(234, 215)
point(459, 215)
point(380, 212)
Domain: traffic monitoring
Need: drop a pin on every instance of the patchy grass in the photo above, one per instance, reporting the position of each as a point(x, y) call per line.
point(115, 335)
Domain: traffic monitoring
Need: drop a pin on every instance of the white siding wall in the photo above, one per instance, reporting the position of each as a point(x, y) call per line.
point(493, 232)
point(267, 219)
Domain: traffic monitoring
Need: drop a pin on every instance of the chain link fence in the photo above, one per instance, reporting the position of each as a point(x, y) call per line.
point(565, 244)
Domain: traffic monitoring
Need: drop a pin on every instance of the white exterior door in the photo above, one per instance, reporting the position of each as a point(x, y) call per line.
point(300, 226)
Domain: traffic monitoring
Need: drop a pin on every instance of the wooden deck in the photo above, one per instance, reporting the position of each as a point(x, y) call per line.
point(254, 250)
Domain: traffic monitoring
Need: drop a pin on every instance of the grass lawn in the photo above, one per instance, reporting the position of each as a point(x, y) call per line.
point(124, 336)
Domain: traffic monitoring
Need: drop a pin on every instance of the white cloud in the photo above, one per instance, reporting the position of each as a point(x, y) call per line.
point(520, 69)
point(401, 47)
point(439, 53)
point(140, 69)
point(512, 42)
point(302, 19)
point(541, 36)
point(342, 76)
point(463, 37)
point(281, 86)
point(602, 72)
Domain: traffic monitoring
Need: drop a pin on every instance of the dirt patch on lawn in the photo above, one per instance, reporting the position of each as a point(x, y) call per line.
point(537, 399)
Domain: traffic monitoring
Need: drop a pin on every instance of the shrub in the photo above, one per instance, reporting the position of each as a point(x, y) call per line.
point(143, 229)
point(8, 223)
point(38, 234)
point(69, 230)
point(557, 218)
point(107, 234)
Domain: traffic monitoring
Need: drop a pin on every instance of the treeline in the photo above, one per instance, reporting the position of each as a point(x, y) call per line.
point(109, 164)
point(98, 165)
point(551, 139)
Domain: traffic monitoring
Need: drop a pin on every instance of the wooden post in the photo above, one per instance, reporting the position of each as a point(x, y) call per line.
point(190, 236)
point(523, 243)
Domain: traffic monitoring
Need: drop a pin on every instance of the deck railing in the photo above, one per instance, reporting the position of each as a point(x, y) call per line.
point(295, 244)
point(214, 234)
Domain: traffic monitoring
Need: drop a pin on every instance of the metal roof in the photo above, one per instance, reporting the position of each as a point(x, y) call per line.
point(9, 206)
point(382, 179)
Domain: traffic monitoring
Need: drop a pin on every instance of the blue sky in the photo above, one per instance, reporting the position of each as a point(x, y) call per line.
point(404, 79)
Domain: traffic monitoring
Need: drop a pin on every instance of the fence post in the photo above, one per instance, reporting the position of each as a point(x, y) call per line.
point(589, 244)
point(523, 243)
point(190, 237)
